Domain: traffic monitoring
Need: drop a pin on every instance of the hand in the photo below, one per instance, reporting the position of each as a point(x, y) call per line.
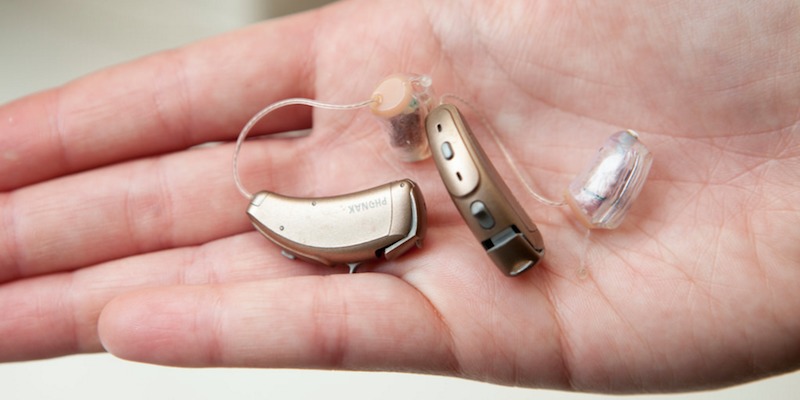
point(115, 236)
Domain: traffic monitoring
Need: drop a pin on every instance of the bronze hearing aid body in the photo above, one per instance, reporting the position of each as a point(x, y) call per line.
point(495, 217)
point(382, 222)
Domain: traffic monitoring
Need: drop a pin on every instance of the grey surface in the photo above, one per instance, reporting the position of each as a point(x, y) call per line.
point(44, 43)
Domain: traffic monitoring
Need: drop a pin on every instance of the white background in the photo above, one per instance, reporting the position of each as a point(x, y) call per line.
point(44, 43)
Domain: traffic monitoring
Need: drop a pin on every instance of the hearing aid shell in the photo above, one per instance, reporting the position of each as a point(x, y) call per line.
point(601, 195)
point(486, 204)
point(382, 222)
point(402, 101)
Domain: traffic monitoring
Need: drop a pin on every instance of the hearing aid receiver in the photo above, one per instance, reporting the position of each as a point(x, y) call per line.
point(382, 222)
point(495, 217)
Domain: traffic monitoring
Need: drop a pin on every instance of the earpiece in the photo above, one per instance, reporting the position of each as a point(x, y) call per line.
point(402, 102)
point(602, 193)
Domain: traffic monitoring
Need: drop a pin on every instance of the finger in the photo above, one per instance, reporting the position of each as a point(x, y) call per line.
point(182, 199)
point(118, 211)
point(57, 314)
point(158, 104)
point(364, 321)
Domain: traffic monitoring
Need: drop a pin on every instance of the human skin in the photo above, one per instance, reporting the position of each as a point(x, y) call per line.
point(116, 235)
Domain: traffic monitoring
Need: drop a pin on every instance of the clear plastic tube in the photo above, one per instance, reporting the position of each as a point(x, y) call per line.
point(402, 102)
point(270, 108)
point(506, 154)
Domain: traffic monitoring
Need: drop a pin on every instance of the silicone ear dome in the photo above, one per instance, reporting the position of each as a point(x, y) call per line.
point(402, 101)
point(604, 191)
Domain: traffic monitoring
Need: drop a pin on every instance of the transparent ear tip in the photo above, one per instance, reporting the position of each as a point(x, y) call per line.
point(401, 101)
point(604, 191)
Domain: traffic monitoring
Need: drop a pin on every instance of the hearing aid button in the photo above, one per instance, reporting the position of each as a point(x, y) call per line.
point(447, 151)
point(482, 214)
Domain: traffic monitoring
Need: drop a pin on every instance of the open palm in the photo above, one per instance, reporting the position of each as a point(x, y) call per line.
point(113, 231)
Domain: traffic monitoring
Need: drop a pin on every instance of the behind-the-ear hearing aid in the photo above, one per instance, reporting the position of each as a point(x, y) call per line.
point(495, 217)
point(381, 222)
point(600, 195)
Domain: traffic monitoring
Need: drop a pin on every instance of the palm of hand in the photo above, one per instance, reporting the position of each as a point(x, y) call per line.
point(694, 289)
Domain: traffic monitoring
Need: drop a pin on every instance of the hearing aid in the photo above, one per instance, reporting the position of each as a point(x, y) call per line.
point(383, 222)
point(603, 192)
point(486, 204)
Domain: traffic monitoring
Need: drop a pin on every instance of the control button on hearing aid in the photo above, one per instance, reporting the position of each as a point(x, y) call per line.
point(447, 151)
point(481, 213)
point(457, 168)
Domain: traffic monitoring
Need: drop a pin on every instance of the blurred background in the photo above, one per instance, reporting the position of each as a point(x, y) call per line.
point(44, 43)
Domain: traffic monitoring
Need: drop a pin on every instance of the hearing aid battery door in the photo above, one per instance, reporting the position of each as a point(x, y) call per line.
point(492, 213)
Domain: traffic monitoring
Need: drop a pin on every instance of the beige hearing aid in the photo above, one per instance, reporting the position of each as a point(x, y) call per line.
point(495, 217)
point(382, 222)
